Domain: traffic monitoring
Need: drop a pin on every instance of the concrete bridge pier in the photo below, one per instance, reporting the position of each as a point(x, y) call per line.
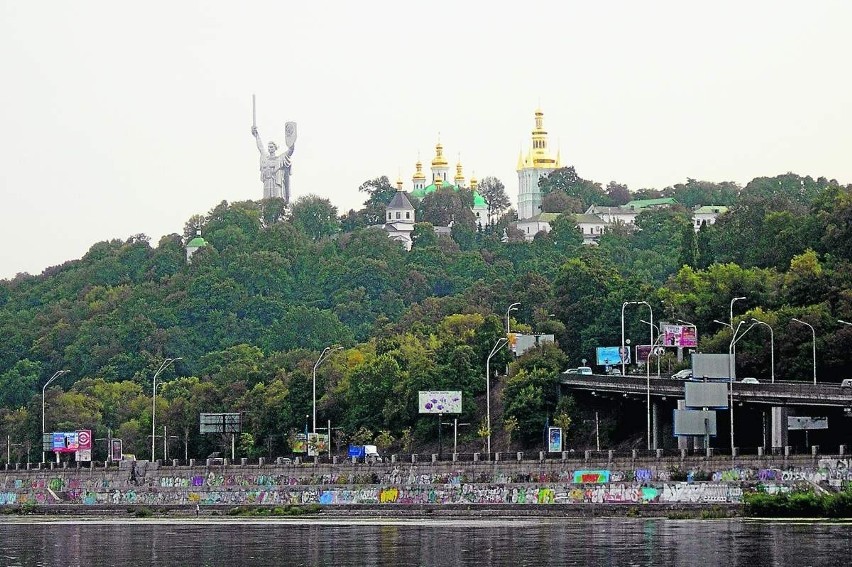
point(779, 427)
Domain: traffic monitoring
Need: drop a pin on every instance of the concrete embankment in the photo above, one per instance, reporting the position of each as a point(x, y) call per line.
point(578, 487)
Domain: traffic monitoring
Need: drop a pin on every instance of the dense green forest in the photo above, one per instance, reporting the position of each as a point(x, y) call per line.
point(250, 315)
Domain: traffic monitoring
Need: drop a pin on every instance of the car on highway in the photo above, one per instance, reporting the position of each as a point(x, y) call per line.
point(580, 370)
point(685, 374)
point(750, 381)
point(846, 383)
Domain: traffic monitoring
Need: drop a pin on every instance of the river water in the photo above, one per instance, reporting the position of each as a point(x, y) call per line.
point(456, 542)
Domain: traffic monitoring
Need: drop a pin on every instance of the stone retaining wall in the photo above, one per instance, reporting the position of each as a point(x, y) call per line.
point(639, 481)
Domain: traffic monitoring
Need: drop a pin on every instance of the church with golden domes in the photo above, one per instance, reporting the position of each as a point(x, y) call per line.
point(537, 163)
point(441, 178)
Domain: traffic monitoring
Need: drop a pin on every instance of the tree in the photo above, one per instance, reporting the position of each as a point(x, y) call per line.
point(447, 205)
point(618, 194)
point(315, 216)
point(494, 193)
point(566, 180)
point(380, 193)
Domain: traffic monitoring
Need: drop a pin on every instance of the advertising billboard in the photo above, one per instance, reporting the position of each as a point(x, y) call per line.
point(220, 423)
point(610, 356)
point(440, 401)
point(115, 450)
point(317, 444)
point(65, 442)
point(680, 336)
point(554, 439)
point(643, 352)
point(84, 439)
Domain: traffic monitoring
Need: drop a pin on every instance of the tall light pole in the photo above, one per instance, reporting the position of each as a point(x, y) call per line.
point(842, 322)
point(621, 353)
point(501, 342)
point(771, 344)
point(43, 431)
point(653, 328)
point(326, 351)
point(512, 307)
point(813, 332)
point(162, 367)
point(731, 318)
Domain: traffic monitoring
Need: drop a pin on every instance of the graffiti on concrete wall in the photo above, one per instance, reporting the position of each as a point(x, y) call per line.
point(410, 485)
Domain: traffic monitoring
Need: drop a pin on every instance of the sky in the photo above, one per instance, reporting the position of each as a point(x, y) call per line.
point(123, 118)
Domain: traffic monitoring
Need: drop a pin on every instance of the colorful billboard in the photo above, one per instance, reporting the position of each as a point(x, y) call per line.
point(440, 401)
point(317, 444)
point(84, 439)
point(611, 356)
point(65, 442)
point(554, 439)
point(683, 336)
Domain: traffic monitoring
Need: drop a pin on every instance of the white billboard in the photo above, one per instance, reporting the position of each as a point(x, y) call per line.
point(440, 401)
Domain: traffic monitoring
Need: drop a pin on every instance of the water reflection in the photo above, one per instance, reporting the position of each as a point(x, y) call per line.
point(598, 542)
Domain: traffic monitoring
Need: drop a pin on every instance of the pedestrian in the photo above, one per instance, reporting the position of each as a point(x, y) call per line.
point(197, 510)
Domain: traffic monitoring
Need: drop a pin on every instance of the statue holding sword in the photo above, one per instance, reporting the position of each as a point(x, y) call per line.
point(275, 169)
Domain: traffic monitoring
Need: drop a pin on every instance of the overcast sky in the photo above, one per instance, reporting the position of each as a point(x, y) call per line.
point(120, 118)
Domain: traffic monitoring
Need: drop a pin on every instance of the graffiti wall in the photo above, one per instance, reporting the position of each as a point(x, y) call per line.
point(413, 485)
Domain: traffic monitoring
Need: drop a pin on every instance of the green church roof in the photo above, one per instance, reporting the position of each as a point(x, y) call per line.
point(196, 242)
point(478, 200)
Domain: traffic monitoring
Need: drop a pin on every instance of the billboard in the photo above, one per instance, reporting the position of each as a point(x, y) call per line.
point(554, 439)
point(610, 356)
point(221, 423)
point(317, 444)
point(300, 443)
point(115, 450)
point(711, 366)
point(440, 401)
point(84, 439)
point(706, 395)
point(65, 442)
point(643, 352)
point(805, 423)
point(694, 422)
point(680, 336)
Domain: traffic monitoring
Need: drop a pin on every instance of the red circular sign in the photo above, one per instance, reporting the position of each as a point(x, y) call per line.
point(84, 439)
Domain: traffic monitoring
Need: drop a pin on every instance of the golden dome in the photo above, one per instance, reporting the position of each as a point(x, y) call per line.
point(419, 173)
point(439, 160)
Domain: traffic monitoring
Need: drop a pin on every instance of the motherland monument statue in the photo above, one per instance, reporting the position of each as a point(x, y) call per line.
point(274, 169)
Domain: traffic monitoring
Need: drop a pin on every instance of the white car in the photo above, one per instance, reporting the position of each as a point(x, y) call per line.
point(685, 374)
point(750, 381)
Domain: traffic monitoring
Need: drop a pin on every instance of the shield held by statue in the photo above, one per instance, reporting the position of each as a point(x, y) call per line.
point(290, 134)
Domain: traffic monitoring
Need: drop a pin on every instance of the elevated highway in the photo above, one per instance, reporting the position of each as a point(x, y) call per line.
point(777, 394)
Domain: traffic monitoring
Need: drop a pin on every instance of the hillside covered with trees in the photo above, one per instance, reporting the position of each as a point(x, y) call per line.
point(250, 315)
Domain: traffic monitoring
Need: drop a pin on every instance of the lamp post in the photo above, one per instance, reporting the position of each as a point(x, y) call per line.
point(43, 431)
point(501, 342)
point(512, 307)
point(162, 367)
point(771, 343)
point(813, 332)
point(842, 322)
point(731, 317)
point(326, 351)
point(653, 327)
point(621, 353)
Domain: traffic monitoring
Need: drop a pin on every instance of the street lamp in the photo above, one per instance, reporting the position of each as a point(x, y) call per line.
point(842, 322)
point(771, 342)
point(43, 431)
point(653, 327)
point(813, 332)
point(501, 342)
point(327, 350)
point(622, 353)
point(512, 307)
point(162, 367)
